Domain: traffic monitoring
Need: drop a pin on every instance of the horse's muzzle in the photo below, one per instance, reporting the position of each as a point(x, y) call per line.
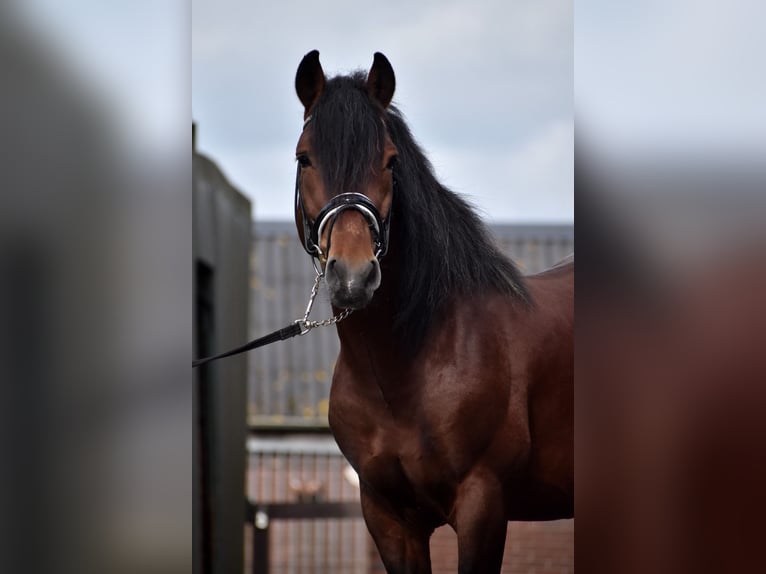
point(351, 286)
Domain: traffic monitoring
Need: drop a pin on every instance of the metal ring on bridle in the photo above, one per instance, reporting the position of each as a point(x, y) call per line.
point(330, 215)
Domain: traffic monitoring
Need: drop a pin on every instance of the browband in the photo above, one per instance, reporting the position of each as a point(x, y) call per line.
point(313, 229)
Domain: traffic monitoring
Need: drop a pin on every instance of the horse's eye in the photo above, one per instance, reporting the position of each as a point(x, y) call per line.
point(303, 160)
point(392, 162)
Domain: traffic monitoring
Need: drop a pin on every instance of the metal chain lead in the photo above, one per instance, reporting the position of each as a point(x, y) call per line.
point(305, 324)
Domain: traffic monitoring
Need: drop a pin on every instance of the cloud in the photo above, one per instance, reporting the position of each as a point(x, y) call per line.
point(475, 80)
point(682, 77)
point(532, 181)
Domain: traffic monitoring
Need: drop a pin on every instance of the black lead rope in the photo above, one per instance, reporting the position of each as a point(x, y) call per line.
point(298, 327)
point(280, 335)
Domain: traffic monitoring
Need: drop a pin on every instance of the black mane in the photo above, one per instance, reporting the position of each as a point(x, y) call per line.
point(442, 246)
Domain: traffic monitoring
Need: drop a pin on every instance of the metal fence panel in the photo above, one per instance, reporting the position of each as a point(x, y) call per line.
point(304, 476)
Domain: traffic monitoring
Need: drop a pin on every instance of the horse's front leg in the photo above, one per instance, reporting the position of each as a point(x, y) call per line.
point(402, 546)
point(481, 525)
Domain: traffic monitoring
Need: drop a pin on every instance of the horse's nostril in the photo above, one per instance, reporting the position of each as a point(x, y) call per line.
point(331, 267)
point(335, 271)
point(373, 274)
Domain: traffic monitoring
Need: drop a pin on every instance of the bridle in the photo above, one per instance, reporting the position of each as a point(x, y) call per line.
point(312, 233)
point(328, 215)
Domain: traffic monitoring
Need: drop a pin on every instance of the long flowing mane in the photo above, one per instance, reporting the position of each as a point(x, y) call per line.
point(442, 247)
point(443, 244)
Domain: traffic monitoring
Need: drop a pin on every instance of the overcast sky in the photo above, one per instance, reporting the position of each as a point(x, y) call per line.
point(486, 87)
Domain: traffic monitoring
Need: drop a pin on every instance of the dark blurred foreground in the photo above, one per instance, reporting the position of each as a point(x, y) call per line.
point(671, 386)
point(95, 293)
point(671, 288)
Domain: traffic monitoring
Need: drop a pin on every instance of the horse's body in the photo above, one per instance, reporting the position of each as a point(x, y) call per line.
point(479, 421)
point(452, 395)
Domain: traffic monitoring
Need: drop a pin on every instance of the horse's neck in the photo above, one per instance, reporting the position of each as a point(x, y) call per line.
point(368, 344)
point(368, 335)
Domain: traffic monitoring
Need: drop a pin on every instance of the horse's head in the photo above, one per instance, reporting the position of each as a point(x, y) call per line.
point(344, 185)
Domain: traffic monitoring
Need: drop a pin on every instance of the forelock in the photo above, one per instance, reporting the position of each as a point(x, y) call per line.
point(347, 133)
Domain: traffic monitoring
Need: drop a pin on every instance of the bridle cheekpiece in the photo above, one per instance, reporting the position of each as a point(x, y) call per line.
point(313, 229)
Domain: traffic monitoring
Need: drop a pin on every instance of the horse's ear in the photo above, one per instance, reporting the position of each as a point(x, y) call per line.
point(381, 81)
point(309, 80)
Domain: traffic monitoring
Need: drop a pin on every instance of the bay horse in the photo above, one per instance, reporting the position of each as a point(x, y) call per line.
point(452, 395)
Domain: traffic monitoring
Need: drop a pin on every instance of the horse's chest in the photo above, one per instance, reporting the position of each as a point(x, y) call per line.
point(392, 454)
point(397, 466)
